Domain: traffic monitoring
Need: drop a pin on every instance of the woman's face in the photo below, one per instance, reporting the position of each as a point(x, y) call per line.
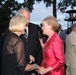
point(46, 28)
point(24, 27)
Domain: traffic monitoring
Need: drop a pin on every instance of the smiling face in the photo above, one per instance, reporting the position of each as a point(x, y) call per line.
point(49, 25)
point(46, 28)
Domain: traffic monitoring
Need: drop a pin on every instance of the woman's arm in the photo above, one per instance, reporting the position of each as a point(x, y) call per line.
point(43, 70)
point(30, 67)
point(21, 59)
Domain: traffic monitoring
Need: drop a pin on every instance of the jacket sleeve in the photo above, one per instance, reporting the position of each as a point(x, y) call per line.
point(58, 50)
point(73, 41)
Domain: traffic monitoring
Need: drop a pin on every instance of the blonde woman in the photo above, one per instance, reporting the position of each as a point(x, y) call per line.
point(53, 50)
point(13, 56)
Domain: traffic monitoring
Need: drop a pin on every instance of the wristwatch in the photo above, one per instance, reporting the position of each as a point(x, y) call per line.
point(35, 66)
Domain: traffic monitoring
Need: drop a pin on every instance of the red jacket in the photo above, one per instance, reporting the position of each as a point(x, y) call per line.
point(53, 55)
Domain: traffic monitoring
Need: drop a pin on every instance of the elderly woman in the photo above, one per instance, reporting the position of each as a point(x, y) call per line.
point(53, 50)
point(13, 56)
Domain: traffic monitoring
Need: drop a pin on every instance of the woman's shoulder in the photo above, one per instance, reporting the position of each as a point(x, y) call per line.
point(13, 38)
point(58, 39)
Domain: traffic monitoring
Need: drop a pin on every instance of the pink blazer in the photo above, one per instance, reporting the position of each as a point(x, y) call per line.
point(53, 55)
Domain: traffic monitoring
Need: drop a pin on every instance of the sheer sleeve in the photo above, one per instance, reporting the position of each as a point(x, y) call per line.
point(20, 55)
point(14, 45)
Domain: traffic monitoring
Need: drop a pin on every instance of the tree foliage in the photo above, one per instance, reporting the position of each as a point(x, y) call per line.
point(46, 2)
point(8, 8)
point(63, 4)
point(29, 4)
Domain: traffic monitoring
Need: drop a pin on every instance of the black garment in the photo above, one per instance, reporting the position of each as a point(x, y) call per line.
point(13, 56)
point(32, 45)
point(1, 49)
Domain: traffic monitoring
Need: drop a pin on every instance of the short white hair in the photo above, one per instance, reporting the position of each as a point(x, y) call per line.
point(20, 11)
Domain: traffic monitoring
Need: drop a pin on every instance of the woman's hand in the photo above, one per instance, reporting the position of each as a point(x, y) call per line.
point(41, 70)
point(32, 59)
point(41, 42)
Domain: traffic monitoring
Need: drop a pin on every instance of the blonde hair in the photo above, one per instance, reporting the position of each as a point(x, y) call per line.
point(17, 24)
point(51, 20)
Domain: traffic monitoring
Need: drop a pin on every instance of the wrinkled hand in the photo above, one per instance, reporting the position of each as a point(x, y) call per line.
point(41, 70)
point(32, 59)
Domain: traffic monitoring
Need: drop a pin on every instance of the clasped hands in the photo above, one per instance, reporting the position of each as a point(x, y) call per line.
point(40, 70)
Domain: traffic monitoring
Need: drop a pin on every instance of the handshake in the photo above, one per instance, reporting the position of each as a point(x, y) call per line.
point(40, 69)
